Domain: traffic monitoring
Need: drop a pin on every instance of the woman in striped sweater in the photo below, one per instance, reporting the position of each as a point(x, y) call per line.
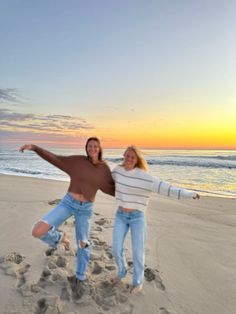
point(133, 190)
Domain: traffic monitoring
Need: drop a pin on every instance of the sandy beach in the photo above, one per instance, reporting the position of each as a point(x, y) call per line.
point(190, 256)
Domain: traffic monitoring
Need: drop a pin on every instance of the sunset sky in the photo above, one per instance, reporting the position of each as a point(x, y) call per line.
point(154, 73)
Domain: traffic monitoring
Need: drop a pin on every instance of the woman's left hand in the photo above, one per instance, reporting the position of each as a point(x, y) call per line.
point(196, 197)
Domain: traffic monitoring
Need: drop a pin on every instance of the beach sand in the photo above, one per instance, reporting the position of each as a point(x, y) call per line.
point(190, 256)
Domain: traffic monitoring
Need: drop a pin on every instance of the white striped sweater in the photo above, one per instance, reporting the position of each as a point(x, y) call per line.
point(134, 188)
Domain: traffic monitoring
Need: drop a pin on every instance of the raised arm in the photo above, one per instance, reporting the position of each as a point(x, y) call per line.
point(169, 190)
point(60, 162)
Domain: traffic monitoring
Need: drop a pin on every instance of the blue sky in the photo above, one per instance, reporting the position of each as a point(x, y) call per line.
point(121, 65)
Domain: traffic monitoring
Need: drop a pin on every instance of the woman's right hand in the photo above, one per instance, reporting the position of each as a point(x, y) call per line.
point(27, 147)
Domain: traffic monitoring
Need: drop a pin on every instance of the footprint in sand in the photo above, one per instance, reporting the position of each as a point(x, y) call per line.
point(108, 253)
point(49, 305)
point(50, 251)
point(22, 270)
point(98, 242)
point(106, 295)
point(128, 310)
point(96, 255)
point(13, 257)
point(13, 265)
point(97, 267)
point(59, 251)
point(106, 223)
point(52, 264)
point(98, 291)
point(121, 298)
point(22, 279)
point(80, 290)
point(46, 273)
point(110, 267)
point(61, 261)
point(162, 310)
point(41, 306)
point(95, 240)
point(65, 294)
point(101, 221)
point(153, 274)
point(103, 293)
point(98, 228)
point(54, 202)
point(44, 282)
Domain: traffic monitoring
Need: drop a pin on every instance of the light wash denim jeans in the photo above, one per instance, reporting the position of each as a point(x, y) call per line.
point(134, 220)
point(82, 211)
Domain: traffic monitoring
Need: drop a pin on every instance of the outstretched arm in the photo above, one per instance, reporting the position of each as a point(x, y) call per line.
point(60, 162)
point(167, 189)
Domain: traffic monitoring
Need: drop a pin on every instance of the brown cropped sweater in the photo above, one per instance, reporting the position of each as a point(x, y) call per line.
point(85, 178)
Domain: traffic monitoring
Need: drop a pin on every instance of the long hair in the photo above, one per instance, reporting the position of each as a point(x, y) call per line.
point(94, 138)
point(141, 162)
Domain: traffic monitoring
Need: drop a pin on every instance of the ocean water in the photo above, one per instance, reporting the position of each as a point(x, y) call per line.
point(210, 172)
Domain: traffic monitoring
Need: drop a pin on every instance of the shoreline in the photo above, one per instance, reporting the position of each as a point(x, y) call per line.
point(201, 192)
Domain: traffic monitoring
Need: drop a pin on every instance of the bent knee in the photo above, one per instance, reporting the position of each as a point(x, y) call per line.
point(39, 229)
point(36, 233)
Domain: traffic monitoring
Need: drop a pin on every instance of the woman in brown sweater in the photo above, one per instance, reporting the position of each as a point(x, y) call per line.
point(87, 175)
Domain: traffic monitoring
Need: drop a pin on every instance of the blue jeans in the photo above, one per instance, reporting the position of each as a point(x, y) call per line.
point(134, 220)
point(82, 211)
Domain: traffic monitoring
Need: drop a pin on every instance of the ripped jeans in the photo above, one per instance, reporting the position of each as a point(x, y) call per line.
point(82, 211)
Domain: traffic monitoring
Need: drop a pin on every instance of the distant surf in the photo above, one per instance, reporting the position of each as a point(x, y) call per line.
point(207, 171)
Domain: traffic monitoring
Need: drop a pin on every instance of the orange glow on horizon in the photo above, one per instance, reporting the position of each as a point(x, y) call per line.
point(178, 135)
point(148, 143)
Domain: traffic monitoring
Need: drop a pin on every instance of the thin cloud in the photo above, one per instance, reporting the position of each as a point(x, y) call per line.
point(8, 136)
point(57, 116)
point(31, 126)
point(6, 114)
point(15, 121)
point(9, 95)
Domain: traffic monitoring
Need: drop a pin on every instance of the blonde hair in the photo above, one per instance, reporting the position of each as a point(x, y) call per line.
point(141, 162)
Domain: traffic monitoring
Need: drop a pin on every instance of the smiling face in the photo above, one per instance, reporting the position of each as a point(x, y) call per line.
point(93, 149)
point(130, 159)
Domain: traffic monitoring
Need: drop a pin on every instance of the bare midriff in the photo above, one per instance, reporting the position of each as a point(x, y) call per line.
point(79, 197)
point(127, 210)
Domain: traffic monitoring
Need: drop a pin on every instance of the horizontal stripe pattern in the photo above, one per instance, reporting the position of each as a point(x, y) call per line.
point(134, 188)
point(139, 195)
point(136, 178)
